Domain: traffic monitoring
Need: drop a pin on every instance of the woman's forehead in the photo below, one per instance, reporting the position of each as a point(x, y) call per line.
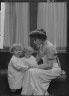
point(37, 39)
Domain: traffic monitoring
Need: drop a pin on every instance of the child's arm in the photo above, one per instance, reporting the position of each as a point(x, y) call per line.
point(32, 65)
point(19, 66)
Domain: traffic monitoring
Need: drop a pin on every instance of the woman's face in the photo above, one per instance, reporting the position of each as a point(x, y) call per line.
point(37, 42)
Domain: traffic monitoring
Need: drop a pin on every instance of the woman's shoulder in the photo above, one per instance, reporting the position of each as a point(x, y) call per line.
point(49, 44)
point(51, 47)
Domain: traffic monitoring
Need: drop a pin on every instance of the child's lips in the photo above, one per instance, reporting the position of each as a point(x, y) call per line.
point(19, 53)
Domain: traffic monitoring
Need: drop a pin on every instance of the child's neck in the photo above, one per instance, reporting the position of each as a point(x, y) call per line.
point(17, 56)
point(27, 57)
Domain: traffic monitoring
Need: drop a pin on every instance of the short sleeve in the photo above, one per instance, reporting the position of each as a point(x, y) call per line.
point(51, 53)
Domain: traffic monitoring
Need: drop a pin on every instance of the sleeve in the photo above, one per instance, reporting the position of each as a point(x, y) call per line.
point(18, 66)
point(51, 53)
point(42, 53)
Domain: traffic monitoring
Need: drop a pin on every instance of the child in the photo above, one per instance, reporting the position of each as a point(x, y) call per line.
point(16, 68)
point(28, 59)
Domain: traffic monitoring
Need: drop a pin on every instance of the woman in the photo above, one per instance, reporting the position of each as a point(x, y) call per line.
point(37, 78)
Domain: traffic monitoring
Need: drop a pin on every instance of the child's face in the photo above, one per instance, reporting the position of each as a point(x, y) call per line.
point(27, 54)
point(17, 51)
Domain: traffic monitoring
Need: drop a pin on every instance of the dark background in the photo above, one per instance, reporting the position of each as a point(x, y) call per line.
point(33, 0)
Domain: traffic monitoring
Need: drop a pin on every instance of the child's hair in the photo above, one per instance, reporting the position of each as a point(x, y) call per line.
point(28, 48)
point(14, 46)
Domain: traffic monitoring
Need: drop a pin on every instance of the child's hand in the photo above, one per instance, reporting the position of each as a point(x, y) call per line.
point(27, 64)
point(30, 66)
point(25, 68)
point(33, 66)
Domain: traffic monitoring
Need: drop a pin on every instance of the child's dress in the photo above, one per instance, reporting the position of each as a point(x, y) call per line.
point(30, 61)
point(15, 74)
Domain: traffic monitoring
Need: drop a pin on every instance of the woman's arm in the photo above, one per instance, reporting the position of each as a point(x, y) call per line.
point(48, 60)
point(45, 66)
point(40, 55)
point(41, 66)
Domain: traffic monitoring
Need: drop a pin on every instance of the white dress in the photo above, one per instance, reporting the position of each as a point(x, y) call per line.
point(15, 75)
point(30, 61)
point(36, 81)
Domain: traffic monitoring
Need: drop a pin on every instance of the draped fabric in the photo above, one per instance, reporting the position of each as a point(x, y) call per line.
point(2, 18)
point(16, 24)
point(0, 22)
point(52, 17)
point(33, 20)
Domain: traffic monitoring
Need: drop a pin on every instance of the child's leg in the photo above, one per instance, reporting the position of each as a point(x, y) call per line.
point(18, 91)
point(12, 92)
point(15, 91)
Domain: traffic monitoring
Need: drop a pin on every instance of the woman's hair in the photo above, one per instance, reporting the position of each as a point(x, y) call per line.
point(14, 46)
point(29, 49)
point(38, 33)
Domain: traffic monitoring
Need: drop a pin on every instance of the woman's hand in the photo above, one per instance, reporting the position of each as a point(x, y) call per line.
point(63, 76)
point(25, 68)
point(38, 58)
